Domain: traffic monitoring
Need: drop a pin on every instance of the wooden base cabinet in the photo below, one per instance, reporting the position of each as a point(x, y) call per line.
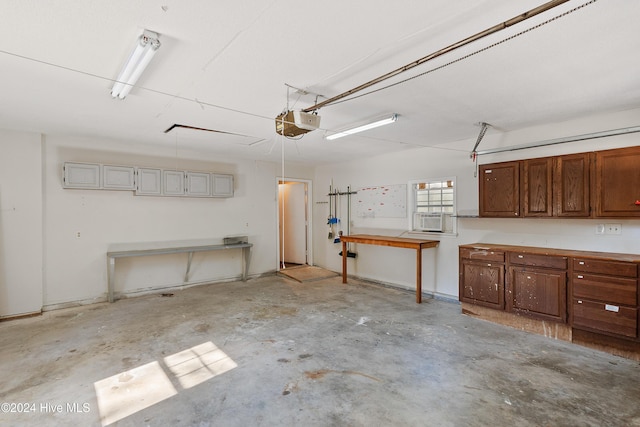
point(596, 294)
point(605, 297)
point(537, 285)
point(482, 278)
point(538, 293)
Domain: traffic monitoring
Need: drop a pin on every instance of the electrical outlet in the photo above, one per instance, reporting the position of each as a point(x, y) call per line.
point(599, 228)
point(613, 229)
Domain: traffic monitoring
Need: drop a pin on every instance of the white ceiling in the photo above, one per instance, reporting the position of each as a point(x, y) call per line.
point(223, 65)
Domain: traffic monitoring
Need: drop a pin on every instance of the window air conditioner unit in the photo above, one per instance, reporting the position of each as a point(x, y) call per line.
point(428, 221)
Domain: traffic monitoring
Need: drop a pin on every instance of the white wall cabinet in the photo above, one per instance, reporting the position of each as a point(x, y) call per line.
point(222, 185)
point(172, 183)
point(118, 177)
point(147, 181)
point(198, 184)
point(81, 175)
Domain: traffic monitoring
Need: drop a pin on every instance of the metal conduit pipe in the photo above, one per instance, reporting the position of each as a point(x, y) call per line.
point(594, 135)
point(499, 27)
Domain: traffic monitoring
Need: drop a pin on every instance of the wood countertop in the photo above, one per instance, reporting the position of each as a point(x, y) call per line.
point(554, 252)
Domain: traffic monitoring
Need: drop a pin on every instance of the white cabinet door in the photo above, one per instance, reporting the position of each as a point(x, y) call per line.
point(173, 183)
point(118, 177)
point(198, 184)
point(81, 175)
point(149, 182)
point(222, 185)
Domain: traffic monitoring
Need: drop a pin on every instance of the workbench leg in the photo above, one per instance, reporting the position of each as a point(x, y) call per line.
point(111, 267)
point(186, 274)
point(344, 262)
point(419, 276)
point(246, 258)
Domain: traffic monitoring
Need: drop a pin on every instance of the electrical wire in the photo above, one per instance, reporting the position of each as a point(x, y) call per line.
point(260, 116)
point(156, 91)
point(462, 58)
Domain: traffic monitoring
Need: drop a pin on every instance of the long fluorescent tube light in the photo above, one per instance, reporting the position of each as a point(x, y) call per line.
point(146, 46)
point(372, 125)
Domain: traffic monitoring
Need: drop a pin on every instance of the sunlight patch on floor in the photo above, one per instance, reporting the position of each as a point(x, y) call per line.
point(132, 391)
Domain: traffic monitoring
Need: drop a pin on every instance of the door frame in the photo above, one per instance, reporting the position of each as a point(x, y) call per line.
point(309, 217)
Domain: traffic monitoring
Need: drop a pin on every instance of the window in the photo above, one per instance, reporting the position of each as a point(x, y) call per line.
point(433, 204)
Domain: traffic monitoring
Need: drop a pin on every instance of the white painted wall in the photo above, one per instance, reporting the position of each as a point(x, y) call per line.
point(76, 266)
point(20, 223)
point(43, 262)
point(440, 266)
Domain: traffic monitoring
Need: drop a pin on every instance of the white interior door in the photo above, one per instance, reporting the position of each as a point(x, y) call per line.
point(293, 222)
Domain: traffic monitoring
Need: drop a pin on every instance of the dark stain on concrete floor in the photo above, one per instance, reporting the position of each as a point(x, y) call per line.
point(313, 354)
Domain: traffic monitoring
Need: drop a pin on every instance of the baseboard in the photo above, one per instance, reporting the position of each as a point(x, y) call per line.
point(148, 291)
point(20, 316)
point(425, 294)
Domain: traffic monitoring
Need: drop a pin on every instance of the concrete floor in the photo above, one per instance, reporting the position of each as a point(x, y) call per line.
point(274, 352)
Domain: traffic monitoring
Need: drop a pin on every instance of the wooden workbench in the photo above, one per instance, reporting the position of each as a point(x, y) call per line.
point(396, 242)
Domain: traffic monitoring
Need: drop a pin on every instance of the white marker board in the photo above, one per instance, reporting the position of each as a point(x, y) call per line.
point(381, 201)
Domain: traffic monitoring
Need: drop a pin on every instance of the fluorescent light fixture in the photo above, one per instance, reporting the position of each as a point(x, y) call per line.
point(146, 46)
point(372, 125)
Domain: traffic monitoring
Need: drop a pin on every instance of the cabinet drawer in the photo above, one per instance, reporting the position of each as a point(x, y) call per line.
point(556, 262)
point(606, 318)
point(482, 254)
point(615, 290)
point(616, 268)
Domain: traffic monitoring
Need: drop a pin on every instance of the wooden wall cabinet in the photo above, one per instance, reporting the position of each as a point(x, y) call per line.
point(546, 187)
point(537, 185)
point(602, 184)
point(618, 183)
point(572, 185)
point(500, 189)
point(482, 277)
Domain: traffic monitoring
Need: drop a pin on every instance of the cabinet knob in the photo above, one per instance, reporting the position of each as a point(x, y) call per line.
point(637, 202)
